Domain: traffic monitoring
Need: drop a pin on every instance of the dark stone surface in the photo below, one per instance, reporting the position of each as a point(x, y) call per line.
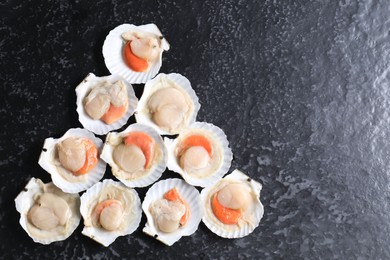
point(301, 89)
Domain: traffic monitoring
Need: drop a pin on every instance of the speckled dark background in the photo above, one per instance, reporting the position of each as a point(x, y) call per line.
point(301, 89)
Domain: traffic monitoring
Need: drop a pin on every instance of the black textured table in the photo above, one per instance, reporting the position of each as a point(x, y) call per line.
point(301, 88)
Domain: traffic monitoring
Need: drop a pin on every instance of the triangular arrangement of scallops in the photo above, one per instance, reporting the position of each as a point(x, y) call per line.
point(138, 156)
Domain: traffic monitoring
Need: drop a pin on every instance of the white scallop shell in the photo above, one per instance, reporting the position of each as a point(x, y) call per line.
point(188, 193)
point(82, 182)
point(219, 136)
point(113, 54)
point(181, 81)
point(98, 126)
point(103, 236)
point(233, 231)
point(154, 172)
point(24, 201)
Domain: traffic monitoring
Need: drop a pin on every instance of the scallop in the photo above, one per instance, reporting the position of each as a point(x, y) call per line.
point(134, 52)
point(168, 104)
point(173, 209)
point(137, 155)
point(110, 210)
point(47, 214)
point(73, 160)
point(200, 154)
point(232, 205)
point(105, 103)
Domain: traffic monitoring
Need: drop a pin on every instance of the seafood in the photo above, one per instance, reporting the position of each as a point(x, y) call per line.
point(200, 154)
point(137, 155)
point(134, 52)
point(73, 160)
point(232, 205)
point(173, 209)
point(110, 210)
point(105, 103)
point(47, 214)
point(168, 104)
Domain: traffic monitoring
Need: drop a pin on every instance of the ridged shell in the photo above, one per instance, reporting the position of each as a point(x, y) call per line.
point(98, 126)
point(150, 88)
point(24, 201)
point(113, 53)
point(100, 235)
point(83, 181)
point(188, 193)
point(154, 172)
point(232, 231)
point(219, 136)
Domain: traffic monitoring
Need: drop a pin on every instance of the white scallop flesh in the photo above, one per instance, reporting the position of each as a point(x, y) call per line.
point(234, 196)
point(43, 218)
point(95, 97)
point(146, 46)
point(129, 158)
point(64, 157)
point(110, 210)
point(168, 117)
point(167, 214)
point(235, 191)
point(97, 103)
point(158, 222)
point(49, 212)
point(118, 93)
point(194, 158)
point(72, 154)
point(46, 213)
point(168, 104)
point(195, 161)
point(128, 162)
point(168, 107)
point(190, 162)
point(110, 218)
point(117, 40)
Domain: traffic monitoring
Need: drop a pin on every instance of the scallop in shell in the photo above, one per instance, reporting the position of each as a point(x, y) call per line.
point(47, 214)
point(200, 154)
point(168, 104)
point(110, 210)
point(173, 209)
point(105, 103)
point(145, 45)
point(232, 205)
point(73, 160)
point(137, 155)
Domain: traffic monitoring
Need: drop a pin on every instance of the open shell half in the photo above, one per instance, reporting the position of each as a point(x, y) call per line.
point(98, 126)
point(250, 216)
point(144, 176)
point(168, 104)
point(190, 196)
point(127, 220)
point(113, 52)
point(62, 177)
point(30, 196)
point(218, 163)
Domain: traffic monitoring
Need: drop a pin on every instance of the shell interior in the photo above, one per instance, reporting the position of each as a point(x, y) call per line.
point(101, 235)
point(112, 52)
point(24, 201)
point(145, 118)
point(219, 137)
point(188, 193)
point(233, 231)
point(97, 126)
point(80, 183)
point(156, 170)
